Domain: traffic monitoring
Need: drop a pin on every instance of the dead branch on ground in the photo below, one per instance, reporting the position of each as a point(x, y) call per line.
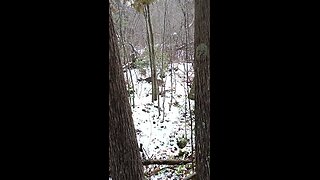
point(166, 162)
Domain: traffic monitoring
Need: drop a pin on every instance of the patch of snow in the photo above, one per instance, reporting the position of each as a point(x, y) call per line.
point(158, 135)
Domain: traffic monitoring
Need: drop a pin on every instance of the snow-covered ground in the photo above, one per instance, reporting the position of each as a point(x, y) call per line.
point(157, 134)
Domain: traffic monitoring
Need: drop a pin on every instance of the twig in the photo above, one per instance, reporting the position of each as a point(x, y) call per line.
point(190, 176)
point(155, 171)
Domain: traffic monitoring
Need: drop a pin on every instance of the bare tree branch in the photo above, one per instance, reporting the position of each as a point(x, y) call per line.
point(183, 46)
point(190, 176)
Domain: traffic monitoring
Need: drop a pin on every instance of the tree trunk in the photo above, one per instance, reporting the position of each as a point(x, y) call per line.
point(202, 88)
point(125, 160)
point(155, 88)
point(150, 41)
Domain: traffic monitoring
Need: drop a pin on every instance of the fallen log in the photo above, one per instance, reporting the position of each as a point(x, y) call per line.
point(166, 162)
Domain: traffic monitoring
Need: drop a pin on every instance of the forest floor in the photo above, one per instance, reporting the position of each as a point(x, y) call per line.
point(159, 134)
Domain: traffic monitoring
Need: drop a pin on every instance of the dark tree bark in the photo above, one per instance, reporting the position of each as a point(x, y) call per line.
point(125, 160)
point(150, 40)
point(202, 88)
